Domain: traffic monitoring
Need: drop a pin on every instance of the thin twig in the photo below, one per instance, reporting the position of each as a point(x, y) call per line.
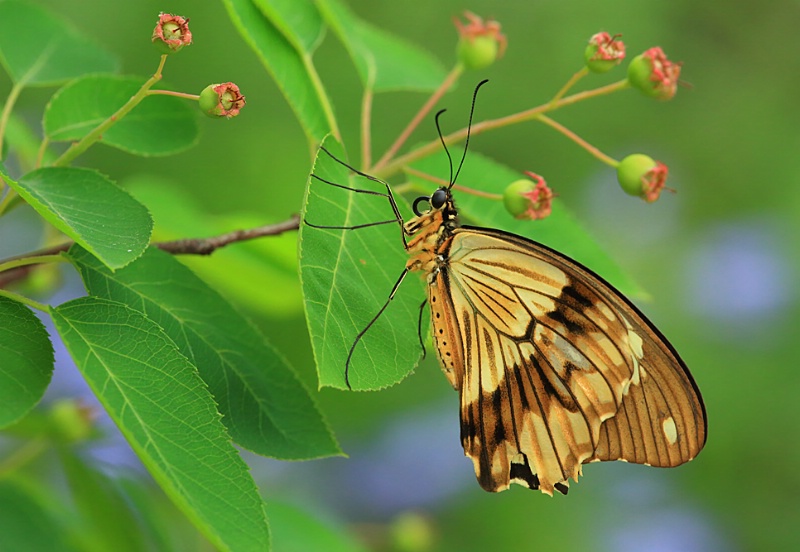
point(459, 187)
point(421, 114)
point(206, 246)
point(490, 124)
point(189, 246)
point(608, 160)
point(366, 120)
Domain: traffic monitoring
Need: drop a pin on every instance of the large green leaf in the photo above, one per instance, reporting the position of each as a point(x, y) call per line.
point(90, 209)
point(389, 62)
point(347, 276)
point(560, 230)
point(39, 49)
point(165, 411)
point(298, 21)
point(287, 65)
point(159, 125)
point(26, 360)
point(266, 407)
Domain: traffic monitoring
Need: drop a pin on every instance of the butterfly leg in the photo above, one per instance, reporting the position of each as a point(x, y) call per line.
point(419, 328)
point(368, 326)
point(388, 195)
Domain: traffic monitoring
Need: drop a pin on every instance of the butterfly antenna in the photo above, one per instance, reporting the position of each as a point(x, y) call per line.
point(441, 137)
point(469, 128)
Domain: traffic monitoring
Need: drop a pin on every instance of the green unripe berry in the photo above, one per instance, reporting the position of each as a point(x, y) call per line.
point(631, 170)
point(477, 53)
point(514, 199)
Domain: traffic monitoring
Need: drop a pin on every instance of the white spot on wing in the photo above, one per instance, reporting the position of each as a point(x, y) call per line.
point(670, 431)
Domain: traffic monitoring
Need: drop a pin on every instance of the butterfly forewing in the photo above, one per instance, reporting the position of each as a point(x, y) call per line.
point(557, 368)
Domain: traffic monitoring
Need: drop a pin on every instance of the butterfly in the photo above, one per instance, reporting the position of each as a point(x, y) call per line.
point(554, 367)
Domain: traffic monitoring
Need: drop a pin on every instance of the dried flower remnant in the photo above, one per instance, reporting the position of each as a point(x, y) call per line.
point(654, 74)
point(529, 198)
point(221, 100)
point(604, 52)
point(172, 33)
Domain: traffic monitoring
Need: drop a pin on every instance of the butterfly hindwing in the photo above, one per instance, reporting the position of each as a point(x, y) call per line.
point(554, 367)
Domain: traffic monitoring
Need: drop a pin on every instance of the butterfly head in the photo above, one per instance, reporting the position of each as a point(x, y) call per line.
point(441, 212)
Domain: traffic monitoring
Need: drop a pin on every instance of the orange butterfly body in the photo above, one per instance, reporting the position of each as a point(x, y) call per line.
point(554, 367)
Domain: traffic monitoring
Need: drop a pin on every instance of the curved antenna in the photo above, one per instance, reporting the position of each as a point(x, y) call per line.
point(441, 138)
point(469, 128)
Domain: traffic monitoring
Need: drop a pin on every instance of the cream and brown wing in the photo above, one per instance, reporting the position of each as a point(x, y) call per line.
point(548, 358)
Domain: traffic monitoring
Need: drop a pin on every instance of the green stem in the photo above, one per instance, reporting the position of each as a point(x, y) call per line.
point(366, 120)
point(25, 261)
point(87, 141)
point(7, 201)
point(491, 124)
point(421, 114)
point(608, 160)
point(42, 151)
point(186, 95)
point(13, 95)
point(569, 84)
point(23, 455)
point(24, 300)
point(323, 97)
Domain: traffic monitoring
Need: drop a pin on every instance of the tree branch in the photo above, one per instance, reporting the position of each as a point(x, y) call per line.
point(188, 246)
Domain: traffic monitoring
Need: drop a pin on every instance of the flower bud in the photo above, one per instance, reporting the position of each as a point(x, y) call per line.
point(654, 74)
point(171, 33)
point(640, 175)
point(528, 198)
point(604, 52)
point(221, 100)
point(480, 43)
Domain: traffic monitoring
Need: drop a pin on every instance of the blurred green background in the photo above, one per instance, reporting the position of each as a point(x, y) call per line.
point(719, 259)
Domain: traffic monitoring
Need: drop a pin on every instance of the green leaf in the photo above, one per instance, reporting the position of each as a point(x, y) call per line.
point(163, 408)
point(159, 125)
point(396, 63)
point(296, 530)
point(266, 407)
point(291, 68)
point(298, 21)
point(560, 230)
point(27, 523)
point(39, 49)
point(26, 360)
point(262, 264)
point(347, 276)
point(90, 209)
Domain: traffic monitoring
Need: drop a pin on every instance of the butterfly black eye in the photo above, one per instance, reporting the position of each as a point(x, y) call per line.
point(417, 201)
point(438, 198)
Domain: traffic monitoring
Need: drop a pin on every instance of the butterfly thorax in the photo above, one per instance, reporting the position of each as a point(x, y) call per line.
point(429, 232)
